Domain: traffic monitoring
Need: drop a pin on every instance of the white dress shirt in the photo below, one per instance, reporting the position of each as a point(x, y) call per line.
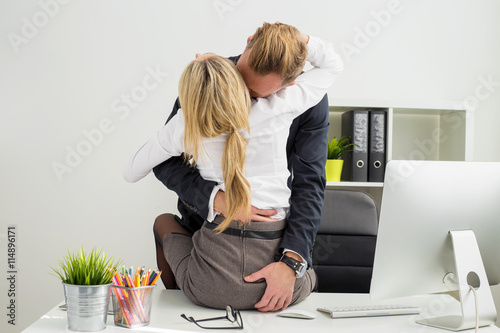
point(270, 119)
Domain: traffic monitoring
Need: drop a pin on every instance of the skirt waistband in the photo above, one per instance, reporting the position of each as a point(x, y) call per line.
point(250, 233)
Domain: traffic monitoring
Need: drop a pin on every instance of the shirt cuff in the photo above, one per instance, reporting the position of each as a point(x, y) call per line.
point(212, 213)
point(288, 250)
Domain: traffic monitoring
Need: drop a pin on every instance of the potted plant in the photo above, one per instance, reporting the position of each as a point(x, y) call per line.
point(86, 280)
point(336, 149)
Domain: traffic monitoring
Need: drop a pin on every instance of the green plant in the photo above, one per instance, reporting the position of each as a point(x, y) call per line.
point(338, 148)
point(80, 268)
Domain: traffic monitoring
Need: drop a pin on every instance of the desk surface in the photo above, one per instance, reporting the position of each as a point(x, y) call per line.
point(168, 305)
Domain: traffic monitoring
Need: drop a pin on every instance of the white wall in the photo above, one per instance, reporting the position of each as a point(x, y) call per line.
point(66, 67)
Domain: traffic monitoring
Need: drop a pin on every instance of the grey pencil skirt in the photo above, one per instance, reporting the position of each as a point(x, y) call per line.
point(209, 267)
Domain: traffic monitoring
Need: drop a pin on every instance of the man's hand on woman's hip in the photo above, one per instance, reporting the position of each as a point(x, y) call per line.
point(280, 281)
point(256, 214)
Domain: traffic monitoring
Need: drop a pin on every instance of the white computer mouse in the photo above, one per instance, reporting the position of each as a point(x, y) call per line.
point(297, 313)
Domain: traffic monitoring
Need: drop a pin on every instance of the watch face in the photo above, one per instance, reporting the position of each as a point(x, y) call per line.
point(301, 270)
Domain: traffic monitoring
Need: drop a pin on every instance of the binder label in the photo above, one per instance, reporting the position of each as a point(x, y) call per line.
point(378, 126)
point(360, 136)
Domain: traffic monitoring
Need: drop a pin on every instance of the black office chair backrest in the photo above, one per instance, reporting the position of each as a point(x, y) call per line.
point(344, 249)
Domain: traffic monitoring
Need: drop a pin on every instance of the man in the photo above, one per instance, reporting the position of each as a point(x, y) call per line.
point(264, 74)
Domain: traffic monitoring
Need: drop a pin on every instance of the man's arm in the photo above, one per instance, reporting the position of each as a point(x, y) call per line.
point(178, 176)
point(306, 151)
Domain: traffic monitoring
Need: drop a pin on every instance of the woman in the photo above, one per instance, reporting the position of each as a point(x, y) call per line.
point(243, 150)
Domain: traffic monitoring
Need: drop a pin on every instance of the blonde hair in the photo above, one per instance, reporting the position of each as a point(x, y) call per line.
point(277, 48)
point(215, 100)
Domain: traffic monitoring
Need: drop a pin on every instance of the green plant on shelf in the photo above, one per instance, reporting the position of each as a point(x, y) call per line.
point(337, 148)
point(80, 268)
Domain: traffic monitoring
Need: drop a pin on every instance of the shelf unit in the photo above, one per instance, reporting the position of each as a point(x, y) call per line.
point(438, 131)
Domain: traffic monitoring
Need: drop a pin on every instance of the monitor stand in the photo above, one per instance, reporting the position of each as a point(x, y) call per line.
point(470, 272)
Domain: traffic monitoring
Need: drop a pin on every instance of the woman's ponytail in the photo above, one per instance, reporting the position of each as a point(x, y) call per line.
point(237, 190)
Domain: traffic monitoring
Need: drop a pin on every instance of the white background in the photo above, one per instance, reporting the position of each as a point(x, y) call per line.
point(67, 67)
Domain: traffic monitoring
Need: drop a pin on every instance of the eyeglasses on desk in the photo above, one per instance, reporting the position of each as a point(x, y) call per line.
point(232, 316)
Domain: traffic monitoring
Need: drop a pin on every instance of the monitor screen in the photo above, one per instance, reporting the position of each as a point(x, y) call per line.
point(421, 202)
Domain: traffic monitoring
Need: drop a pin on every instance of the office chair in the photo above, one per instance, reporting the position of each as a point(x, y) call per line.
point(344, 249)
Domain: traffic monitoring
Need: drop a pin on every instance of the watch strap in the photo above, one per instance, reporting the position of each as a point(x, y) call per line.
point(297, 266)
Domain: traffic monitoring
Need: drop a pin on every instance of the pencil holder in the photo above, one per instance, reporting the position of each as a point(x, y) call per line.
point(132, 306)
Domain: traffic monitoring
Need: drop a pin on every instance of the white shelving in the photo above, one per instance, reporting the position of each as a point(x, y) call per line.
point(438, 131)
point(355, 184)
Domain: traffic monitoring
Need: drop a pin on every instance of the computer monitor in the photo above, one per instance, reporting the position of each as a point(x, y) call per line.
point(431, 215)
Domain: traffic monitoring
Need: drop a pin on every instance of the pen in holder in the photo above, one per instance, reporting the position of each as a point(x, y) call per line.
point(132, 305)
point(132, 296)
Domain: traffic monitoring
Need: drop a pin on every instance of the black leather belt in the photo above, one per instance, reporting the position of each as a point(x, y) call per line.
point(247, 233)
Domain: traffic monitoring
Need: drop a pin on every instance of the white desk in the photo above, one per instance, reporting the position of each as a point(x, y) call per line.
point(168, 305)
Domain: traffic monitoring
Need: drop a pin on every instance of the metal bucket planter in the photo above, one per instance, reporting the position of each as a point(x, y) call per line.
point(87, 306)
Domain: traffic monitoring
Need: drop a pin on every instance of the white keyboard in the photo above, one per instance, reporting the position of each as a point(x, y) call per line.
point(369, 310)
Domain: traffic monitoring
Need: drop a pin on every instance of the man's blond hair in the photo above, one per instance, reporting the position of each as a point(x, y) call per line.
point(277, 48)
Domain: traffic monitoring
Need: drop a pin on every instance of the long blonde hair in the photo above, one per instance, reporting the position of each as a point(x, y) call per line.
point(215, 100)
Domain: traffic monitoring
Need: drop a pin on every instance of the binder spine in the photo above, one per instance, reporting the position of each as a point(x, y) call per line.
point(355, 126)
point(377, 153)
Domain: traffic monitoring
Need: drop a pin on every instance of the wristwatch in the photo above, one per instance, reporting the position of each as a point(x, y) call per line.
point(298, 267)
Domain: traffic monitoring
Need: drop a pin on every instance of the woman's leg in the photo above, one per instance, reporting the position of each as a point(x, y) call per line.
point(166, 224)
